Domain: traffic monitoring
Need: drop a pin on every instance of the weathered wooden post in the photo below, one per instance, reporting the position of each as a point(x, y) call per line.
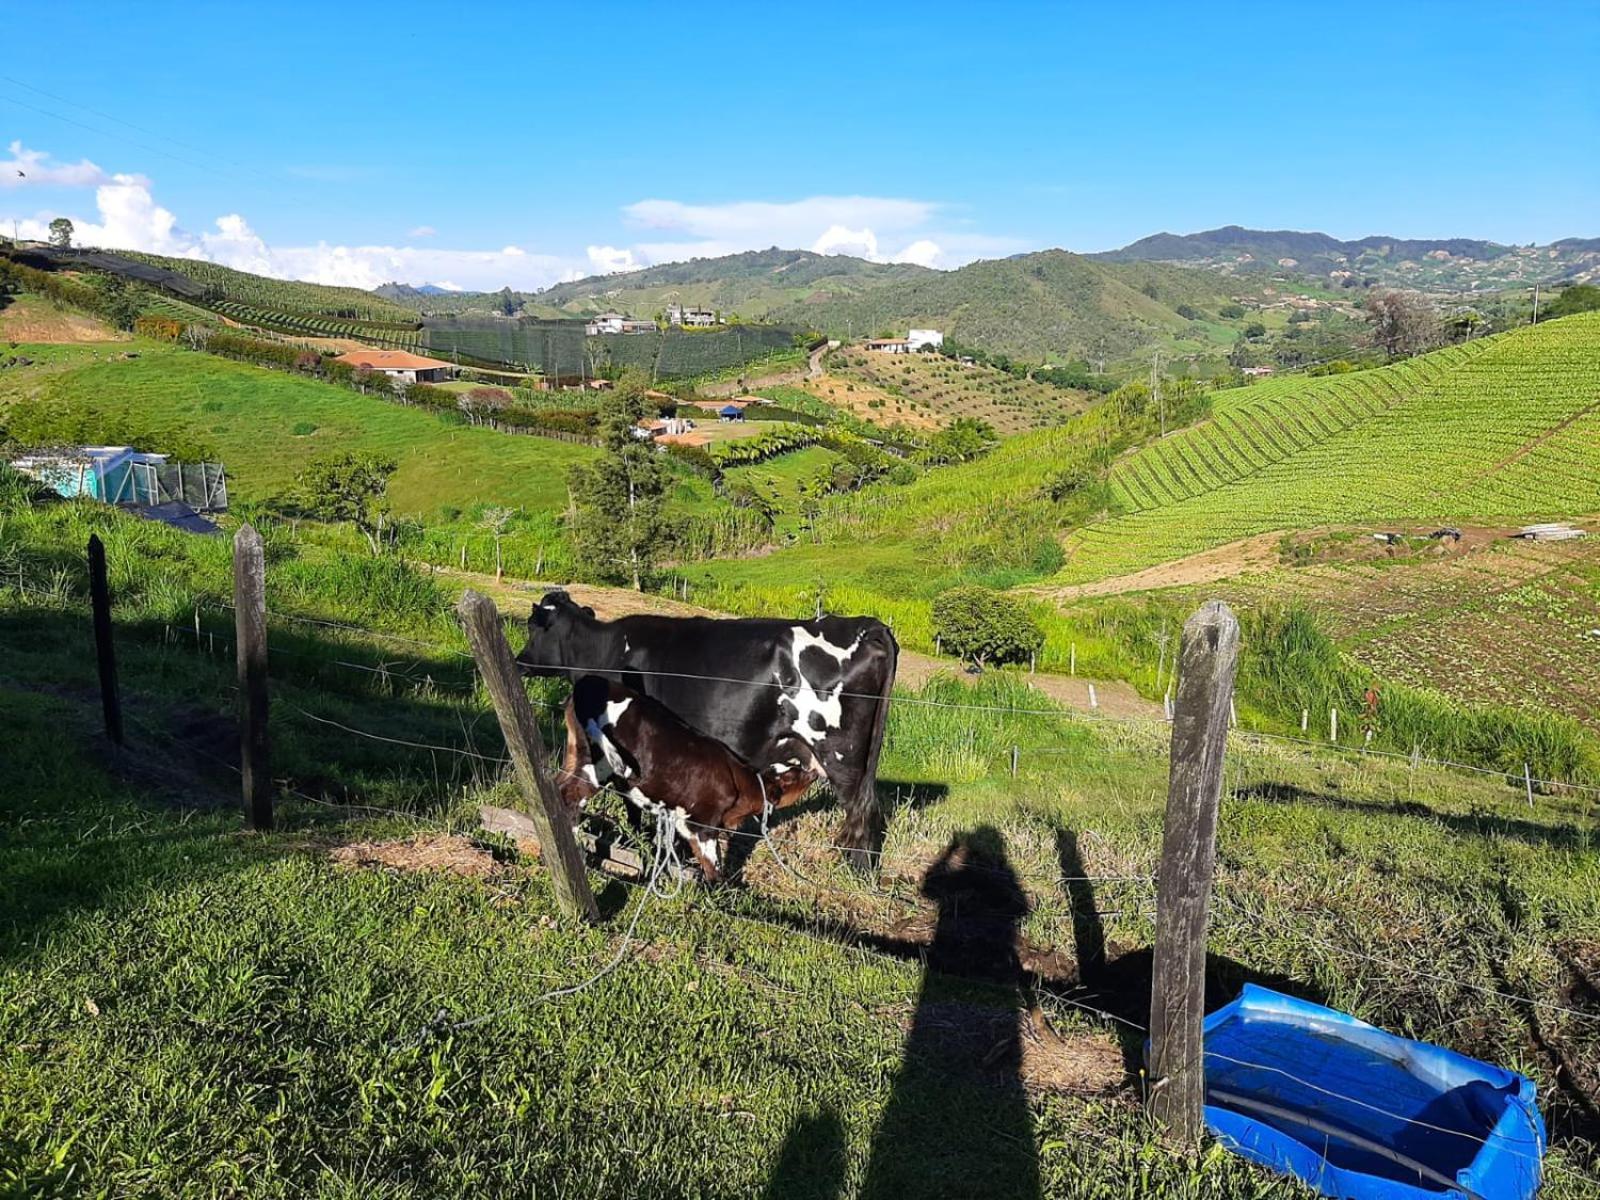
point(558, 848)
point(105, 652)
point(250, 646)
point(1209, 659)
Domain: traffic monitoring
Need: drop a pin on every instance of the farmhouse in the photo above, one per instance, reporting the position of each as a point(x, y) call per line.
point(890, 345)
point(693, 318)
point(1256, 372)
point(662, 427)
point(399, 365)
point(615, 322)
point(918, 338)
point(731, 412)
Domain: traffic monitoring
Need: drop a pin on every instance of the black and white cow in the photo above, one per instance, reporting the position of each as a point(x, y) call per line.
point(809, 695)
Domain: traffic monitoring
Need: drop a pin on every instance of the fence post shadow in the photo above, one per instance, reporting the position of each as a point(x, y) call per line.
point(1088, 930)
point(958, 1120)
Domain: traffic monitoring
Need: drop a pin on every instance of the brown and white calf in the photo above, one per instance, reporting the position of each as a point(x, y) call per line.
point(619, 738)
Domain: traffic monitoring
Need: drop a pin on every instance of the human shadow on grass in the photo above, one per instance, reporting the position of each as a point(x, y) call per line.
point(958, 1121)
point(1556, 837)
point(812, 1163)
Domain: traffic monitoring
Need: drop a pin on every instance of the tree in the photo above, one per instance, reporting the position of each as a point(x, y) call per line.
point(507, 302)
point(349, 487)
point(1403, 323)
point(981, 625)
point(61, 233)
point(616, 520)
point(1231, 312)
point(495, 519)
point(121, 302)
point(1255, 330)
point(1580, 297)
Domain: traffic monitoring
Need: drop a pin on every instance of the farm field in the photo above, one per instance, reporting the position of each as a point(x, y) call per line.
point(34, 319)
point(1509, 623)
point(1499, 430)
point(251, 416)
point(936, 387)
point(790, 1032)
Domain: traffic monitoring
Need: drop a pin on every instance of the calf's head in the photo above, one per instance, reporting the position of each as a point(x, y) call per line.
point(558, 629)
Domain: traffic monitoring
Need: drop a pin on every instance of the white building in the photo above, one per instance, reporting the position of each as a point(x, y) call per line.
point(916, 339)
point(693, 318)
point(615, 322)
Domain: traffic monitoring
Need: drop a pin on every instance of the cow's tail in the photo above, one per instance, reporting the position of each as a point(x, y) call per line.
point(864, 815)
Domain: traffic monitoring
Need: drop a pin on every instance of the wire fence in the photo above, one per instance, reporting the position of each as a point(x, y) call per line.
point(663, 860)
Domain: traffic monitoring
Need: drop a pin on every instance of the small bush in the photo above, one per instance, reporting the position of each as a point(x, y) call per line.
point(303, 429)
point(984, 626)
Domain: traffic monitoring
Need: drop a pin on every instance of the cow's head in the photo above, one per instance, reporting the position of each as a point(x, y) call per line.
point(556, 636)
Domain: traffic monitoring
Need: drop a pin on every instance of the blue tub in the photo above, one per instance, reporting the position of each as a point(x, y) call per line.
point(1361, 1114)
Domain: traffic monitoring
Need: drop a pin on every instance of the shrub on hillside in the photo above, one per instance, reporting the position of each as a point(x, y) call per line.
point(985, 626)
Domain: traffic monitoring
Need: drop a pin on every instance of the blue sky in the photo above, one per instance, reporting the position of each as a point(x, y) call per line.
point(479, 144)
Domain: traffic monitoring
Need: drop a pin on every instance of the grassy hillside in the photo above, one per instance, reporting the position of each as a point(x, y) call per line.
point(266, 424)
point(1051, 304)
point(276, 999)
point(1501, 430)
point(278, 295)
point(753, 284)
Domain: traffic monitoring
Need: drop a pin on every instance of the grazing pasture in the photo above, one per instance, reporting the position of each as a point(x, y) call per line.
point(359, 1002)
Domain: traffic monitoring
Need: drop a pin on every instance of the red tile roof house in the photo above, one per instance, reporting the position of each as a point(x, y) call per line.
point(398, 364)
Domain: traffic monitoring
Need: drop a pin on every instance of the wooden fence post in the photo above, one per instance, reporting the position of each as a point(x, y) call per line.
point(105, 652)
point(250, 638)
point(1209, 660)
point(558, 848)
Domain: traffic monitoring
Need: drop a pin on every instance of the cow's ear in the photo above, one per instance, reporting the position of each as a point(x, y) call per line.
point(587, 611)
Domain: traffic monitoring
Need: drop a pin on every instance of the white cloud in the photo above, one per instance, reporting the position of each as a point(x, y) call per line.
point(837, 239)
point(128, 217)
point(924, 252)
point(33, 168)
point(608, 260)
point(422, 231)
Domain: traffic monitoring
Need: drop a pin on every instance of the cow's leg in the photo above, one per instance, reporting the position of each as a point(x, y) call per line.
point(861, 835)
point(578, 783)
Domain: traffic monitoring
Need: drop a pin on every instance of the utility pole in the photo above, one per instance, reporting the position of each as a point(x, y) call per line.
point(1535, 303)
point(1155, 390)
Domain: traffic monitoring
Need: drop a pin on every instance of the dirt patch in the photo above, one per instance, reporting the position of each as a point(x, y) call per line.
point(450, 853)
point(33, 319)
point(1259, 553)
point(1011, 1044)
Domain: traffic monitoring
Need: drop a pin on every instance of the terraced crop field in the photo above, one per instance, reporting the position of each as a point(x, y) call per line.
point(394, 335)
point(1504, 429)
point(278, 295)
point(930, 385)
point(1512, 623)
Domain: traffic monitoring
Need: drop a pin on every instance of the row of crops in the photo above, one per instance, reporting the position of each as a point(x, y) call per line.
point(1504, 430)
point(282, 296)
point(561, 348)
point(315, 326)
point(1267, 423)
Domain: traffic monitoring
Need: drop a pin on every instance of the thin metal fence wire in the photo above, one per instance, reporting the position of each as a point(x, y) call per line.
point(1417, 972)
point(1001, 709)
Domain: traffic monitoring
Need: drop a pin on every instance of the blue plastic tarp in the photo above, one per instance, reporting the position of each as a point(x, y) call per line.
point(1361, 1114)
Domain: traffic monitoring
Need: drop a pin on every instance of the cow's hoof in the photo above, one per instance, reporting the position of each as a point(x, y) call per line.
point(862, 862)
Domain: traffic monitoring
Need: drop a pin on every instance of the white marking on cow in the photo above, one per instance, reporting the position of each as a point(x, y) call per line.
point(591, 774)
point(625, 646)
point(613, 756)
point(838, 755)
point(615, 709)
point(804, 639)
point(708, 847)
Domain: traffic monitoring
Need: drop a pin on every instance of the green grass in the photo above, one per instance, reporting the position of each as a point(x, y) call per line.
point(250, 414)
point(185, 1009)
point(1502, 430)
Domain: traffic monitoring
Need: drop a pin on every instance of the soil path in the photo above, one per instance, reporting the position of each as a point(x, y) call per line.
point(1236, 558)
point(1111, 697)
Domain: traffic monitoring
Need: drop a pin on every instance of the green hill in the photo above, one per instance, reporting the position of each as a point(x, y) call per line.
point(1046, 305)
point(1445, 264)
point(1500, 431)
